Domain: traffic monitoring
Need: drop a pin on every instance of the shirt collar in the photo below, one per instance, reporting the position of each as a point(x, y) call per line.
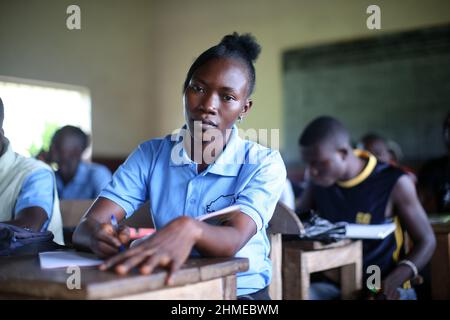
point(6, 146)
point(80, 175)
point(365, 173)
point(227, 164)
point(178, 154)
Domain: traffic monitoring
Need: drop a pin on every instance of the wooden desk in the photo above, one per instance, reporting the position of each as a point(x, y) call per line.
point(301, 258)
point(440, 262)
point(199, 278)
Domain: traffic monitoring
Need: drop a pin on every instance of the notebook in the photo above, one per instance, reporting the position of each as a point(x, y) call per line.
point(221, 215)
point(63, 259)
point(369, 231)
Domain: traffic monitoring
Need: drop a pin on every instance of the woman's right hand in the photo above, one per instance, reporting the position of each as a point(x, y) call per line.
point(106, 240)
point(96, 233)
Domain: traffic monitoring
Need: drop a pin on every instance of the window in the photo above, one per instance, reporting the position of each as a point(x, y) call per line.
point(35, 109)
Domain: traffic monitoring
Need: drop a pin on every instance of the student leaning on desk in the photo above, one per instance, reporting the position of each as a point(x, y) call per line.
point(351, 185)
point(28, 196)
point(189, 174)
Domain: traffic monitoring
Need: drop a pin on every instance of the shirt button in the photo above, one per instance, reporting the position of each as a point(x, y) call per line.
point(192, 201)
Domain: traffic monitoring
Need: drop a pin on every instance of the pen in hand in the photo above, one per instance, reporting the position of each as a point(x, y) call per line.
point(116, 227)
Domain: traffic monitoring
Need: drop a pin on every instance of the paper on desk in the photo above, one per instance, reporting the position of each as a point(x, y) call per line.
point(439, 218)
point(61, 259)
point(369, 231)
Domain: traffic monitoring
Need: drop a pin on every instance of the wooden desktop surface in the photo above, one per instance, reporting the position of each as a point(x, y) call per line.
point(21, 276)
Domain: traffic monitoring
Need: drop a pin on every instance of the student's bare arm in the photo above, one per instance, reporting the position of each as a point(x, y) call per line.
point(95, 231)
point(32, 218)
point(306, 200)
point(414, 220)
point(171, 245)
point(226, 240)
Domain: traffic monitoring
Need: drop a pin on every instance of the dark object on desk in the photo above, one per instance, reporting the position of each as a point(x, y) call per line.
point(319, 229)
point(16, 240)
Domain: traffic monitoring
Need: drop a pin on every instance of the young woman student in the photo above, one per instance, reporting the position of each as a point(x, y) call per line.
point(204, 168)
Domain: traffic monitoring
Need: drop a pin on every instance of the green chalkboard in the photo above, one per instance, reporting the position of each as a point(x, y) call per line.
point(397, 85)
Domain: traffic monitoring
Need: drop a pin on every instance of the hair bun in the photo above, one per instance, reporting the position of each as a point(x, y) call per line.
point(245, 43)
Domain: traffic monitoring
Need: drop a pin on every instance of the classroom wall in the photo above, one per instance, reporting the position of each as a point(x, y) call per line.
point(111, 55)
point(134, 55)
point(278, 25)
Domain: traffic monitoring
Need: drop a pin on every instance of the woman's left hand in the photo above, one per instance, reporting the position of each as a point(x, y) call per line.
point(168, 248)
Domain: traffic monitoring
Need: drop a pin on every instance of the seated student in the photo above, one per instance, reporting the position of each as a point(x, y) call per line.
point(76, 179)
point(434, 178)
point(351, 185)
point(28, 196)
point(381, 149)
point(204, 168)
point(377, 146)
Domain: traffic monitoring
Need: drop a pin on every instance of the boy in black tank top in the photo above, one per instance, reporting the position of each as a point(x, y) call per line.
point(350, 185)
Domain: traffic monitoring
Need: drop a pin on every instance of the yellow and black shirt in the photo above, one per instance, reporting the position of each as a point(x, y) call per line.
point(363, 199)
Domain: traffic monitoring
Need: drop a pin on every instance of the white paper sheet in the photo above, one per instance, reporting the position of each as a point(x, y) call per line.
point(368, 231)
point(61, 259)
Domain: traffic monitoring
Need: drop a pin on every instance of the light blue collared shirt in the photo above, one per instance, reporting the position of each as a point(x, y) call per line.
point(37, 191)
point(87, 183)
point(160, 170)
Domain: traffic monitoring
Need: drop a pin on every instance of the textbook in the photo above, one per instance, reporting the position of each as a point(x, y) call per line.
point(219, 216)
point(368, 231)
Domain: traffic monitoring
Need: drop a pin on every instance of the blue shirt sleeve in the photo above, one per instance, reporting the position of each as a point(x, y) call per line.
point(260, 195)
point(129, 185)
point(37, 191)
point(100, 178)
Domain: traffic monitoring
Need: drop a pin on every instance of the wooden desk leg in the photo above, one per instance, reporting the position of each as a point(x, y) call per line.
point(295, 275)
point(304, 279)
point(440, 268)
point(229, 287)
point(349, 280)
point(351, 275)
point(276, 251)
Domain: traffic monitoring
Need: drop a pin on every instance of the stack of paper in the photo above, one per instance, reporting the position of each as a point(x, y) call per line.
point(369, 231)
